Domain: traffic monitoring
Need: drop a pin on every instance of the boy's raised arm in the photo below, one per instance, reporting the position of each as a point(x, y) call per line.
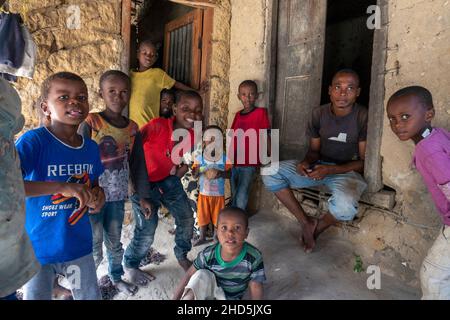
point(180, 289)
point(256, 290)
point(42, 188)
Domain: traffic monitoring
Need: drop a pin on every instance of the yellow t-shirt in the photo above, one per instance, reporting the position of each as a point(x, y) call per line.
point(146, 88)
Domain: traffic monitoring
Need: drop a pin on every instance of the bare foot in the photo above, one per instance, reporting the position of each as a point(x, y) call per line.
point(125, 287)
point(307, 237)
point(324, 223)
point(139, 277)
point(319, 228)
point(201, 241)
point(185, 264)
point(61, 293)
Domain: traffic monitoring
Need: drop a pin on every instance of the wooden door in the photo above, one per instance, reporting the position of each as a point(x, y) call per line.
point(183, 48)
point(300, 46)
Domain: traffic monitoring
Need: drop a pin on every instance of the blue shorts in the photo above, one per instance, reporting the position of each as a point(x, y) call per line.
point(345, 188)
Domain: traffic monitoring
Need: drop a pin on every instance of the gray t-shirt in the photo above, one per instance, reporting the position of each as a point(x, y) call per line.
point(17, 260)
point(339, 136)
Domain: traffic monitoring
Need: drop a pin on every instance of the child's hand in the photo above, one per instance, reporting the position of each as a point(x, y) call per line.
point(319, 172)
point(181, 170)
point(80, 191)
point(303, 168)
point(211, 174)
point(98, 200)
point(146, 208)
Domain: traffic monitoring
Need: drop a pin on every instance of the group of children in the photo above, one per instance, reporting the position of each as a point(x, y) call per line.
point(76, 172)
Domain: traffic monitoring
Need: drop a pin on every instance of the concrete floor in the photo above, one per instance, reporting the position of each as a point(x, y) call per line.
point(327, 273)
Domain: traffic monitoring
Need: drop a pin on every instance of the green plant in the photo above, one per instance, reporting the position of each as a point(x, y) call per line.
point(358, 266)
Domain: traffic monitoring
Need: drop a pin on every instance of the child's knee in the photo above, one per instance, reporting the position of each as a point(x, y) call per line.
point(343, 207)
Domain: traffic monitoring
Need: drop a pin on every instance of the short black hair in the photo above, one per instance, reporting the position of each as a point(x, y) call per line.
point(347, 71)
point(46, 85)
point(213, 126)
point(114, 73)
point(423, 94)
point(188, 94)
point(168, 92)
point(146, 42)
point(237, 210)
point(249, 83)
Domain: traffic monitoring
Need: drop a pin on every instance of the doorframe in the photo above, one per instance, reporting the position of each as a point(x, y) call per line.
point(126, 36)
point(373, 161)
point(206, 43)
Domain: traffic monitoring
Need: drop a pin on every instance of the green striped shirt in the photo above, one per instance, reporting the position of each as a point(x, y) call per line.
point(233, 277)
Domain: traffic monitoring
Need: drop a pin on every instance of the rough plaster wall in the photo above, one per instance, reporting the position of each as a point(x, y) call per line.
point(419, 42)
point(220, 64)
point(247, 49)
point(88, 51)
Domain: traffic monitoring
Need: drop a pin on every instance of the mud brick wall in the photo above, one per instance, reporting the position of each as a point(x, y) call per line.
point(87, 43)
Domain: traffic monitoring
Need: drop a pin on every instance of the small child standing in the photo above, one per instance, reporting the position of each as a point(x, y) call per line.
point(147, 83)
point(163, 185)
point(212, 171)
point(60, 170)
point(167, 100)
point(225, 270)
point(115, 136)
point(250, 118)
point(410, 111)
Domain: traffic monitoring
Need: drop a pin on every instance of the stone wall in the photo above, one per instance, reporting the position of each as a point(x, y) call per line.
point(247, 49)
point(220, 64)
point(92, 48)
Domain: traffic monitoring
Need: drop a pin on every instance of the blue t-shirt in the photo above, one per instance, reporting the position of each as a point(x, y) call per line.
point(58, 229)
point(213, 187)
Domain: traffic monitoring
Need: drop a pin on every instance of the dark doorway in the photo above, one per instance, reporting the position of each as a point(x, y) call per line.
point(151, 26)
point(348, 44)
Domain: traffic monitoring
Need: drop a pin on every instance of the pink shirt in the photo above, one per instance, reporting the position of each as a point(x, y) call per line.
point(432, 159)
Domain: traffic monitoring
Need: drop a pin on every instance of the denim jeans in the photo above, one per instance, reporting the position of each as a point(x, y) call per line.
point(345, 188)
point(80, 273)
point(11, 297)
point(170, 193)
point(241, 181)
point(107, 227)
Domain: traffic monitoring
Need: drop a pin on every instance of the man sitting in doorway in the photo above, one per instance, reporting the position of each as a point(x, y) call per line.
point(335, 159)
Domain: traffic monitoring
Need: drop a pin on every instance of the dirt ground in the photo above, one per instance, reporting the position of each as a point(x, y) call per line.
point(327, 273)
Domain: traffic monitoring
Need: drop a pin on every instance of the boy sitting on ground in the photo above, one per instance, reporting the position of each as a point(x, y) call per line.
point(335, 159)
point(225, 270)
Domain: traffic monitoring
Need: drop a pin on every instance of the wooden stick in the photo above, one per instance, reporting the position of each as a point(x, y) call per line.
point(196, 3)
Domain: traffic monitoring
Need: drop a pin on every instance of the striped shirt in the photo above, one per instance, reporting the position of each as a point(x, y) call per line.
point(233, 277)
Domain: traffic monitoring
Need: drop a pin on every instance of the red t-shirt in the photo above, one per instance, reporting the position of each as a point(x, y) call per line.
point(158, 146)
point(256, 119)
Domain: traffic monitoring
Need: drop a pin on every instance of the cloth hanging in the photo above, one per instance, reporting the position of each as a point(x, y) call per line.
point(26, 69)
point(12, 46)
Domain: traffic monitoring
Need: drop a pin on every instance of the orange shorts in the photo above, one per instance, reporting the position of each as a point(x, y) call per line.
point(208, 208)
